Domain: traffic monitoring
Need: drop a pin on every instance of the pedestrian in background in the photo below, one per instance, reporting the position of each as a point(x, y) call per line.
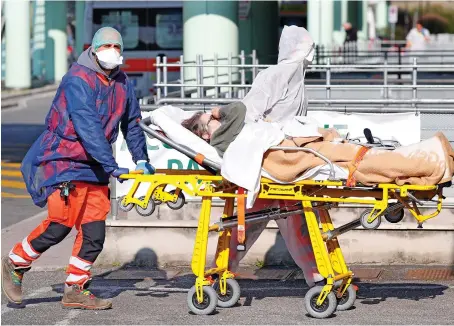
point(350, 42)
point(418, 37)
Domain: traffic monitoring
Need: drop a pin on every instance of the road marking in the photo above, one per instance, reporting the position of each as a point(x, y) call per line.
point(10, 195)
point(13, 184)
point(45, 289)
point(6, 309)
point(40, 216)
point(10, 165)
point(70, 316)
point(11, 173)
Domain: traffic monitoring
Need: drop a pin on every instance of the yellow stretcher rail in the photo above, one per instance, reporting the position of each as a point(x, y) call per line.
point(217, 287)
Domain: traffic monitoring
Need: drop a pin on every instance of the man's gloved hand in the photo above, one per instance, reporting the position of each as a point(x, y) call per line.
point(118, 172)
point(146, 167)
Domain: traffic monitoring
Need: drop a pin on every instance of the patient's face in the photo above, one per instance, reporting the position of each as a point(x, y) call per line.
point(211, 123)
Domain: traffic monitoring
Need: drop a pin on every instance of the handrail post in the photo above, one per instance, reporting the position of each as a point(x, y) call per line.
point(182, 76)
point(230, 74)
point(414, 79)
point(328, 79)
point(197, 76)
point(242, 75)
point(215, 62)
point(158, 77)
point(385, 77)
point(254, 63)
point(164, 62)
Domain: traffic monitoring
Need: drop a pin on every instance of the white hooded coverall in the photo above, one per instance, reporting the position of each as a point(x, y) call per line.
point(277, 95)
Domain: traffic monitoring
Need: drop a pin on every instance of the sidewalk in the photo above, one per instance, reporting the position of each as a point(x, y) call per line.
point(11, 98)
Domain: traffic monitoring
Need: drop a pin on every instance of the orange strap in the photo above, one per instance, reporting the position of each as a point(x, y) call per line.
point(199, 158)
point(241, 216)
point(351, 181)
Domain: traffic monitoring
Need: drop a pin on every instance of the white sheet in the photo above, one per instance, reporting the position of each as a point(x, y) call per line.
point(241, 165)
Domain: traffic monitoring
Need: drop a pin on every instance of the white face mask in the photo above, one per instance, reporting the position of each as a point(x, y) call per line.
point(109, 59)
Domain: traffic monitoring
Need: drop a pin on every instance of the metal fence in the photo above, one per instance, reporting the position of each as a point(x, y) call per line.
point(389, 88)
point(327, 84)
point(440, 50)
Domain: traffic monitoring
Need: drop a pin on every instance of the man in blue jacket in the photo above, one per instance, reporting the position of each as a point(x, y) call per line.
point(69, 165)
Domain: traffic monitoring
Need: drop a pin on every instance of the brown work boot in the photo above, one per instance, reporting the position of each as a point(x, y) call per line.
point(77, 298)
point(12, 280)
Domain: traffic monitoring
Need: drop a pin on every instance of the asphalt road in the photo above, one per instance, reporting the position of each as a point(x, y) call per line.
point(20, 128)
point(154, 300)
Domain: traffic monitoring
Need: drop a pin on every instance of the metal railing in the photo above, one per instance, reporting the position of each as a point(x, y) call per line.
point(397, 85)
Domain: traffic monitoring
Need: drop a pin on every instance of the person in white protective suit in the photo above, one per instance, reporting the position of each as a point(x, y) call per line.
point(278, 93)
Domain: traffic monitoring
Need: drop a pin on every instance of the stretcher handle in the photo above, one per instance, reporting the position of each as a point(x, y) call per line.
point(136, 172)
point(208, 164)
point(309, 150)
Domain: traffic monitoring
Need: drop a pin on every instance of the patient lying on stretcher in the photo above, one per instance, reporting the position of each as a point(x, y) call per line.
point(429, 162)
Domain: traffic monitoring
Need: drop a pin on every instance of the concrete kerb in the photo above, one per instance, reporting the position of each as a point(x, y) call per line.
point(171, 241)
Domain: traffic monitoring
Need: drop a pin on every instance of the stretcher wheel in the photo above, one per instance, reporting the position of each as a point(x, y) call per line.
point(231, 297)
point(147, 211)
point(395, 217)
point(326, 309)
point(179, 202)
point(207, 306)
point(371, 226)
point(348, 299)
point(124, 208)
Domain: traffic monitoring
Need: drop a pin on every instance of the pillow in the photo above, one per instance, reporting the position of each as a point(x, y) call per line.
point(168, 118)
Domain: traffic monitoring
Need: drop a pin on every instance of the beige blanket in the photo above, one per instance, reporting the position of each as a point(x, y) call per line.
point(429, 162)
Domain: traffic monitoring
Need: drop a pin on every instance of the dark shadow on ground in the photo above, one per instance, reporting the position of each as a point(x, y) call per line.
point(145, 278)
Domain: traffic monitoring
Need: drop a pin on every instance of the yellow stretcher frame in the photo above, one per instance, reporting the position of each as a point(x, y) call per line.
point(330, 260)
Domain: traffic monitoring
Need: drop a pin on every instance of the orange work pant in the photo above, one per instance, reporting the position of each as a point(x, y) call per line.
point(86, 209)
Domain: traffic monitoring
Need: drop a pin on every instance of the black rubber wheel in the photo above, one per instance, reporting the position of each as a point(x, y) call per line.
point(207, 306)
point(395, 216)
point(371, 226)
point(124, 208)
point(179, 202)
point(231, 297)
point(348, 299)
point(326, 309)
point(147, 211)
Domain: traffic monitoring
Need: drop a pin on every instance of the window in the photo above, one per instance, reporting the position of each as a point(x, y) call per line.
point(144, 29)
point(169, 31)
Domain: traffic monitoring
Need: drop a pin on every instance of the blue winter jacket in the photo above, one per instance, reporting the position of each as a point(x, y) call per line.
point(81, 126)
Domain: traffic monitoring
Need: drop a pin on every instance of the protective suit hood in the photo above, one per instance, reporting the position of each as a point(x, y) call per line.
point(295, 46)
point(278, 93)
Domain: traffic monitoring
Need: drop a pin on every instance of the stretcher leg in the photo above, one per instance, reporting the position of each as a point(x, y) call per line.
point(320, 301)
point(202, 298)
point(345, 293)
point(227, 288)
